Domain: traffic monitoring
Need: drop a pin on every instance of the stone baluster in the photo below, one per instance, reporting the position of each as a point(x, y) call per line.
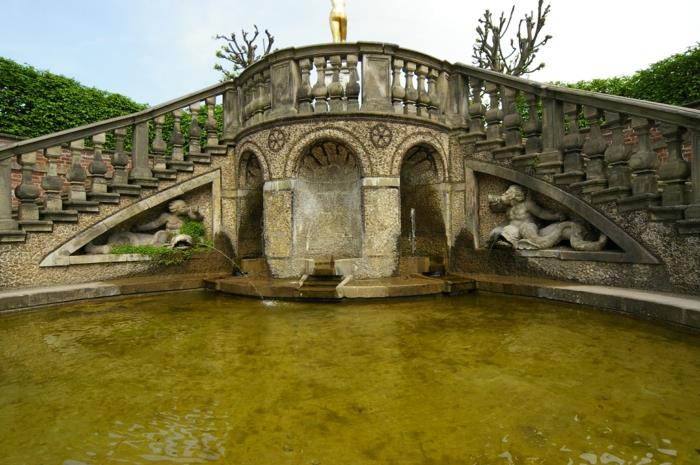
point(643, 163)
point(511, 124)
point(691, 223)
point(52, 184)
point(120, 161)
point(335, 88)
point(673, 174)
point(398, 91)
point(266, 93)
point(177, 141)
point(213, 147)
point(573, 143)
point(98, 169)
point(423, 100)
point(411, 91)
point(352, 88)
point(616, 156)
point(550, 159)
point(158, 147)
point(9, 228)
point(532, 128)
point(434, 105)
point(141, 173)
point(476, 109)
point(594, 152)
point(194, 152)
point(304, 95)
point(494, 116)
point(76, 196)
point(27, 192)
point(320, 91)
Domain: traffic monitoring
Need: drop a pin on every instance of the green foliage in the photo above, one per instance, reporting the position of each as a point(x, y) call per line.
point(194, 229)
point(33, 102)
point(162, 255)
point(674, 80)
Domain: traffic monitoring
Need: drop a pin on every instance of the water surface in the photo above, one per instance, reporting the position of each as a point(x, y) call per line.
point(202, 378)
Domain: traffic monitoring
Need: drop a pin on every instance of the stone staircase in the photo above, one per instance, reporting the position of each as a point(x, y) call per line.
point(322, 283)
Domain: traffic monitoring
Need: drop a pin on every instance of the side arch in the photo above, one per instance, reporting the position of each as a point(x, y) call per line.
point(633, 251)
point(255, 149)
point(335, 134)
point(424, 138)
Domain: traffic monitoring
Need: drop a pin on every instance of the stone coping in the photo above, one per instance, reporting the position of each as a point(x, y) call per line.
point(676, 309)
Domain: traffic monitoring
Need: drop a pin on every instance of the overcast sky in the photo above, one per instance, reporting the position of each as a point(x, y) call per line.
point(155, 50)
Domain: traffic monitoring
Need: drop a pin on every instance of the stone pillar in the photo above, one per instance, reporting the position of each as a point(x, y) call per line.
point(232, 115)
point(494, 116)
point(411, 91)
point(278, 201)
point(213, 147)
point(691, 224)
point(381, 201)
point(457, 101)
point(594, 151)
point(423, 100)
point(27, 192)
point(533, 134)
point(573, 142)
point(9, 228)
point(550, 160)
point(158, 147)
point(511, 123)
point(194, 153)
point(141, 173)
point(376, 94)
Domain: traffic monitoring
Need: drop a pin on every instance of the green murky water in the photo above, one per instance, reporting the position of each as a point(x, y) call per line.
point(201, 378)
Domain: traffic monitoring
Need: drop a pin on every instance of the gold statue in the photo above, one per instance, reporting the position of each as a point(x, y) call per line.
point(339, 21)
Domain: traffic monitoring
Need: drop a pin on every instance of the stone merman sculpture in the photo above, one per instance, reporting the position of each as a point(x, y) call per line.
point(172, 221)
point(523, 232)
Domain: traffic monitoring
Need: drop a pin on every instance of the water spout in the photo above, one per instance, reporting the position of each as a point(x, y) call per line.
point(413, 232)
point(238, 269)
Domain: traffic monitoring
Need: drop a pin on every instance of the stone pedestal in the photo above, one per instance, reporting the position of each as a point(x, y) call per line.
point(278, 199)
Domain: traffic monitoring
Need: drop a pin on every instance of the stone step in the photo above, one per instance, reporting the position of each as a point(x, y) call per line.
point(104, 197)
point(62, 216)
point(130, 190)
point(185, 166)
point(12, 236)
point(36, 225)
point(82, 206)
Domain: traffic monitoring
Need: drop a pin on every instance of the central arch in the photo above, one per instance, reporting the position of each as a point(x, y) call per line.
point(328, 202)
point(250, 206)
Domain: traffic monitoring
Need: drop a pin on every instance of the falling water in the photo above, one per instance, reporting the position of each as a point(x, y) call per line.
point(413, 231)
point(238, 268)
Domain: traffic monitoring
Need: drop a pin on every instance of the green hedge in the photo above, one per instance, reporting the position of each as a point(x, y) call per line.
point(34, 102)
point(674, 80)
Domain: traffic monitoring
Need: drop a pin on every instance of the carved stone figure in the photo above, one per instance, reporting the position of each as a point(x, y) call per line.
point(523, 231)
point(171, 221)
point(339, 21)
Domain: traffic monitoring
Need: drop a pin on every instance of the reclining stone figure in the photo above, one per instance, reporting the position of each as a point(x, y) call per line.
point(523, 231)
point(172, 222)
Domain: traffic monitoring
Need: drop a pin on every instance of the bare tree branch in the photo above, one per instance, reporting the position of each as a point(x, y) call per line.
point(241, 55)
point(488, 48)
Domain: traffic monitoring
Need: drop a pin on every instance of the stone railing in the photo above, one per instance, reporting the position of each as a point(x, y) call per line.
point(76, 177)
point(572, 138)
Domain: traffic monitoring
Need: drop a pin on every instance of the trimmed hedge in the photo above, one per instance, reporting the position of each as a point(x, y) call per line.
point(34, 102)
point(674, 80)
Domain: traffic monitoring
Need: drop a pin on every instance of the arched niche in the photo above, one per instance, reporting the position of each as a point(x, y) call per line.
point(327, 212)
point(250, 206)
point(422, 222)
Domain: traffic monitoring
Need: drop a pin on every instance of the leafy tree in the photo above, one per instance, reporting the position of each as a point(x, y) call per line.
point(488, 50)
point(241, 56)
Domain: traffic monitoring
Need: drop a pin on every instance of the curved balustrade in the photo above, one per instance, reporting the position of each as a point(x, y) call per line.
point(601, 147)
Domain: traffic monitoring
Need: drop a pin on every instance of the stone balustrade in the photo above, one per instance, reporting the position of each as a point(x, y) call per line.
point(602, 148)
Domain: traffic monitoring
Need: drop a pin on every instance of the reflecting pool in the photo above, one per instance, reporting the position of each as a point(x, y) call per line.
point(203, 378)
